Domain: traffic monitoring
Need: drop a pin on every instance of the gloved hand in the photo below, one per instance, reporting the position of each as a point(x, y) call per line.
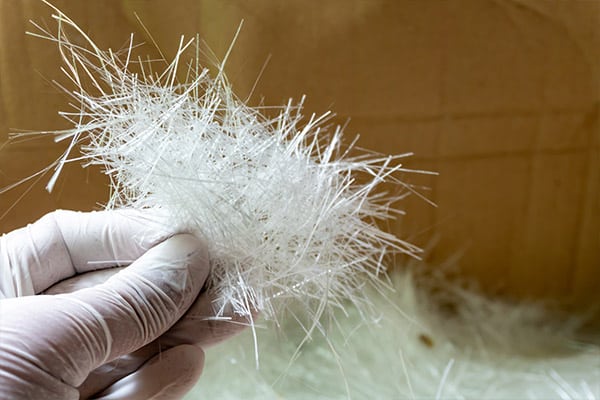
point(103, 340)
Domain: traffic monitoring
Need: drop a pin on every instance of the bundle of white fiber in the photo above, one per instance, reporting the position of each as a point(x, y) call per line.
point(485, 350)
point(276, 200)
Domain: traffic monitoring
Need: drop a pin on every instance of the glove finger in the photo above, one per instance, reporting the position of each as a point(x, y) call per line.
point(109, 373)
point(63, 338)
point(144, 300)
point(200, 327)
point(168, 375)
point(66, 243)
point(105, 239)
point(82, 281)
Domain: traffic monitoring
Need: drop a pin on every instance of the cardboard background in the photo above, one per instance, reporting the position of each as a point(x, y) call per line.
point(500, 97)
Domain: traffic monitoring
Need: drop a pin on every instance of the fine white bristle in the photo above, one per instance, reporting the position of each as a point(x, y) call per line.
point(287, 211)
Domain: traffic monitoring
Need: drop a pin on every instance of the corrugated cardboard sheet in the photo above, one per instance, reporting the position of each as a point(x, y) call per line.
point(500, 97)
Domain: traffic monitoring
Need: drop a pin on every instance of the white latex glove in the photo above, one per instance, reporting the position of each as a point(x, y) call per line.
point(100, 340)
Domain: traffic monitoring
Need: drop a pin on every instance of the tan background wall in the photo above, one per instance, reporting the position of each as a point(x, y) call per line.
point(500, 97)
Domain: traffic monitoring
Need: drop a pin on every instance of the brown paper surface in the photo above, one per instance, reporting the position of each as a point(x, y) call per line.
point(500, 97)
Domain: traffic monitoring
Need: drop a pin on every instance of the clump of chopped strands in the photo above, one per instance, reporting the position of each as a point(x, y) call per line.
point(277, 200)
